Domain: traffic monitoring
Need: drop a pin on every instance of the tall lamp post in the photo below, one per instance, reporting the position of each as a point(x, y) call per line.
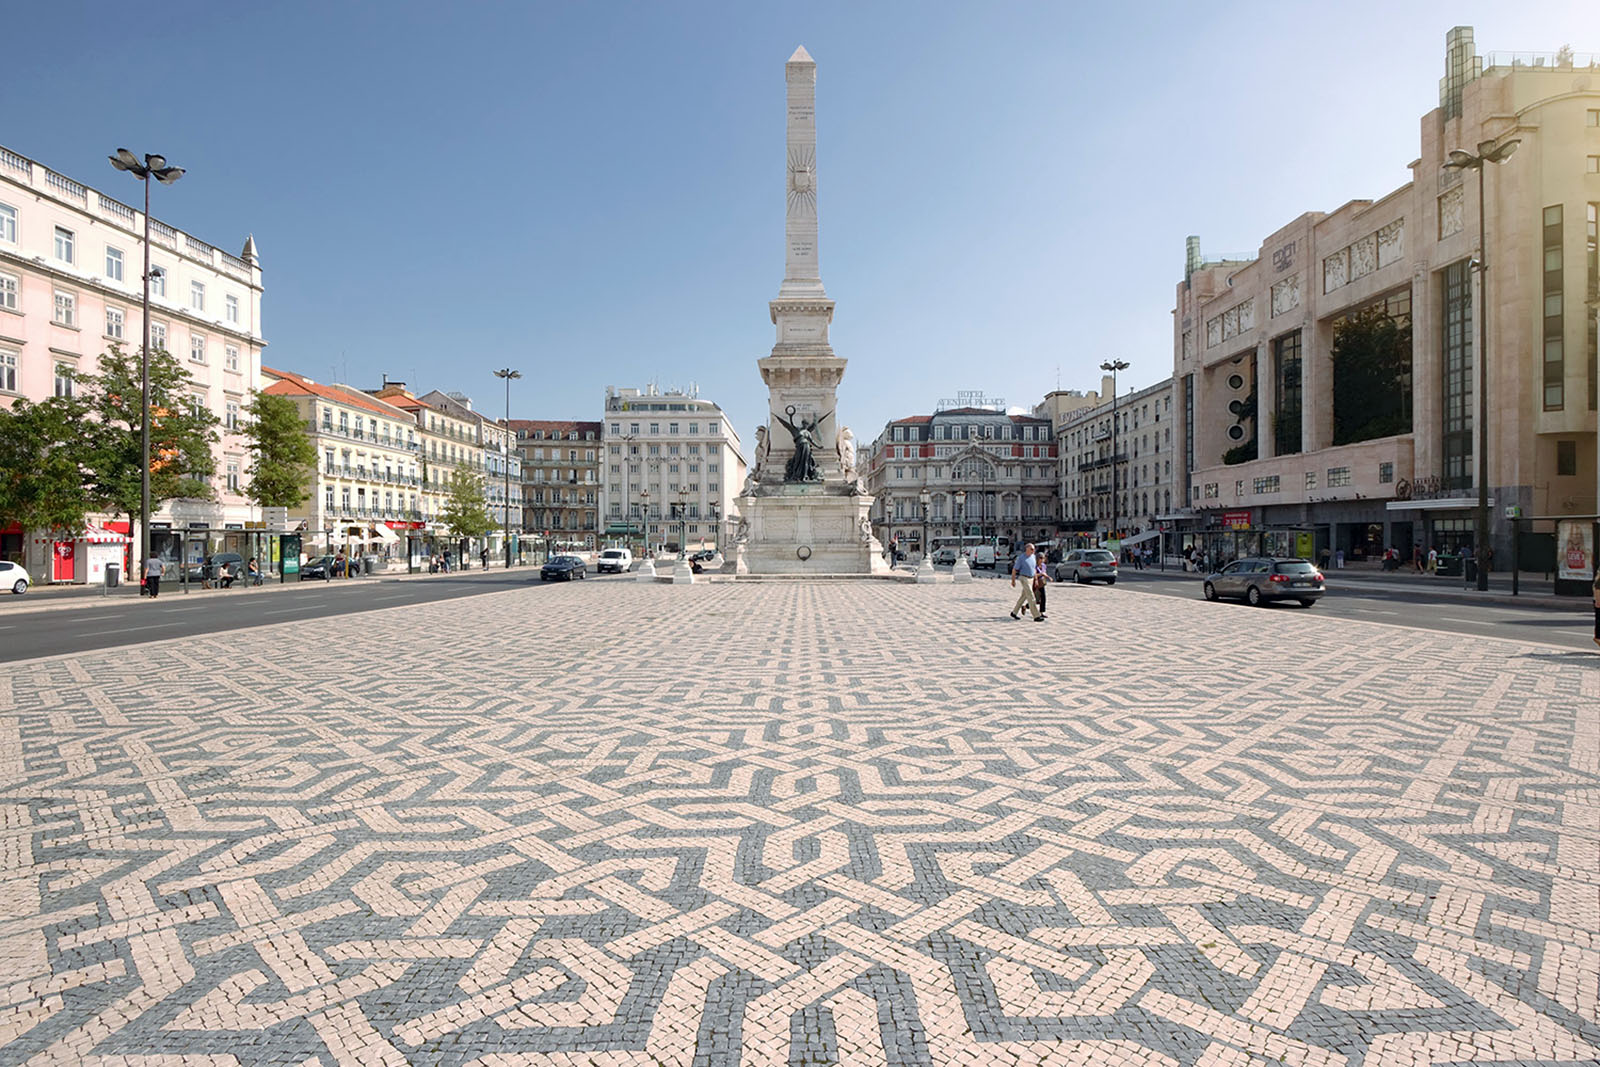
point(925, 500)
point(153, 167)
point(508, 375)
point(683, 524)
point(644, 519)
point(959, 497)
point(1488, 152)
point(627, 489)
point(716, 526)
point(1114, 365)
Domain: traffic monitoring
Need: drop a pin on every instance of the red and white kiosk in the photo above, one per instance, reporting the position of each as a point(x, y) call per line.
point(82, 559)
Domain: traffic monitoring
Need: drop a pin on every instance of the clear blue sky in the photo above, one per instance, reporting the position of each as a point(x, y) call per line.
point(593, 192)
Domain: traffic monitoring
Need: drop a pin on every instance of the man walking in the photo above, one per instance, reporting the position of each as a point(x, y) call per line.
point(154, 568)
point(1025, 567)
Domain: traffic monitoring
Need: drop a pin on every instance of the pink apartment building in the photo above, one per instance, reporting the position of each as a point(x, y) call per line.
point(71, 260)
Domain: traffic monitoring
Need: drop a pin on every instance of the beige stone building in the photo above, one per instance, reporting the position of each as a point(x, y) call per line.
point(1133, 436)
point(560, 481)
point(1272, 433)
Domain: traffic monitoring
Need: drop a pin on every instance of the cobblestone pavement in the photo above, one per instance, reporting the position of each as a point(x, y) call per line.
point(858, 823)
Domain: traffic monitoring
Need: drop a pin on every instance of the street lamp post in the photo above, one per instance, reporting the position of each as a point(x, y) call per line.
point(154, 166)
point(716, 526)
point(644, 520)
point(1114, 365)
point(627, 487)
point(508, 375)
point(924, 500)
point(1488, 152)
point(959, 497)
point(683, 524)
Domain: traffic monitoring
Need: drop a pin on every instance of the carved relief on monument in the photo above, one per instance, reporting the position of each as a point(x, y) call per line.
point(1392, 243)
point(1286, 294)
point(1363, 257)
point(1452, 211)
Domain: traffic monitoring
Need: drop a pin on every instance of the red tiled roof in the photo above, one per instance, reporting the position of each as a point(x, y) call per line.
point(912, 418)
point(560, 426)
point(291, 384)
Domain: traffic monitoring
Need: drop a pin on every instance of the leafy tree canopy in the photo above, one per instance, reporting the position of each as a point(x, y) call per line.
point(282, 456)
point(41, 481)
point(465, 512)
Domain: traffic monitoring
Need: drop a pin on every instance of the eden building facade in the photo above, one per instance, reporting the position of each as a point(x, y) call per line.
point(1286, 419)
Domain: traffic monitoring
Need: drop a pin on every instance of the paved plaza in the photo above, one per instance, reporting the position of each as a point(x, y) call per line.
point(860, 823)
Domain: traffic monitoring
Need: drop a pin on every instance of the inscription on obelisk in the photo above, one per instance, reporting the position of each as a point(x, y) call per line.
point(802, 274)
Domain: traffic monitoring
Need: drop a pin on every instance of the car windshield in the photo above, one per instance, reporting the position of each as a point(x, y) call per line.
point(1295, 566)
point(1100, 556)
point(611, 553)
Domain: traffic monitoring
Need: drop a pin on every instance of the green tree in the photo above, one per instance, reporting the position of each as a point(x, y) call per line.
point(465, 513)
point(1371, 377)
point(182, 431)
point(282, 457)
point(41, 480)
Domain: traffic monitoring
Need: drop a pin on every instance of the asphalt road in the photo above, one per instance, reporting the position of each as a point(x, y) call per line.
point(25, 634)
point(126, 620)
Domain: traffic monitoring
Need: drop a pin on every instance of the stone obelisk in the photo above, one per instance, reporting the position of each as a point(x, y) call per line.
point(804, 504)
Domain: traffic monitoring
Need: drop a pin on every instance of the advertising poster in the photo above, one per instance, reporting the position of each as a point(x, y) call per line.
point(1575, 550)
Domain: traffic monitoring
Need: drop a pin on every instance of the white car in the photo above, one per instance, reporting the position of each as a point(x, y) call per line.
point(614, 560)
point(14, 577)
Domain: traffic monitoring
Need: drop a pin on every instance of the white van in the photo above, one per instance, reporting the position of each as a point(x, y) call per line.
point(983, 556)
point(616, 560)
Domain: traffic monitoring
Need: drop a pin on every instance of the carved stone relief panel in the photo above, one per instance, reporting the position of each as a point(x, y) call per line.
point(1214, 331)
point(1334, 270)
point(1188, 343)
point(1247, 315)
point(1451, 211)
point(1363, 257)
point(1286, 295)
point(1392, 243)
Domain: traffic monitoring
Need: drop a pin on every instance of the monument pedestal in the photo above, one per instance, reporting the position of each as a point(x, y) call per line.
point(806, 529)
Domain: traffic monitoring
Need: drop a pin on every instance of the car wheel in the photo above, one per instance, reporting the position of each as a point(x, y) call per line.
point(1210, 591)
point(19, 587)
point(1307, 603)
point(1077, 578)
point(1253, 596)
point(1111, 581)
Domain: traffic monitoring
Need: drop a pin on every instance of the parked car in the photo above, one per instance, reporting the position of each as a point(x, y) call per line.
point(617, 560)
point(1258, 579)
point(14, 576)
point(565, 568)
point(705, 555)
point(1084, 565)
point(320, 568)
point(945, 556)
point(983, 556)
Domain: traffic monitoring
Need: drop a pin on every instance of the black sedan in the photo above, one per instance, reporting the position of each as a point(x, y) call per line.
point(320, 567)
point(565, 568)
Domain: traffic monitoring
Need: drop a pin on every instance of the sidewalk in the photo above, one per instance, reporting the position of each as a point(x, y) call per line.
point(65, 597)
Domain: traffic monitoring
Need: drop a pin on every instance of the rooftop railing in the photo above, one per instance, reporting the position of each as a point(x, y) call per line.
point(1546, 60)
point(67, 187)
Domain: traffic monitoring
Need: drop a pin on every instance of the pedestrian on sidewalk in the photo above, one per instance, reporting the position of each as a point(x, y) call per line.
point(1433, 561)
point(484, 555)
point(1416, 557)
point(1023, 567)
point(1041, 577)
point(1597, 605)
point(154, 568)
point(1488, 559)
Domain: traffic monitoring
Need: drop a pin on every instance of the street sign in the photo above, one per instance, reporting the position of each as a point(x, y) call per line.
point(275, 518)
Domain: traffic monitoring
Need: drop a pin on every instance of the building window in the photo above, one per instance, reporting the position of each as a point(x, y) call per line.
point(158, 337)
point(1385, 473)
point(1266, 484)
point(158, 282)
point(8, 224)
point(197, 296)
point(672, 427)
point(113, 263)
point(8, 292)
point(8, 370)
point(64, 242)
point(231, 421)
point(1567, 459)
point(232, 357)
point(63, 379)
point(66, 309)
point(1311, 479)
point(197, 349)
point(233, 477)
point(1286, 375)
point(230, 307)
point(1338, 477)
point(327, 502)
point(114, 323)
point(1456, 364)
point(1592, 164)
point(1555, 365)
point(711, 428)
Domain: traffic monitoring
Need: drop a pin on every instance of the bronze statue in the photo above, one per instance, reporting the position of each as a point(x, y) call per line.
point(802, 466)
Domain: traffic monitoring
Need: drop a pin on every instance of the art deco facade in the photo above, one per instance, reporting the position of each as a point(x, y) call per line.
point(560, 480)
point(71, 262)
point(1261, 433)
point(676, 456)
point(1000, 467)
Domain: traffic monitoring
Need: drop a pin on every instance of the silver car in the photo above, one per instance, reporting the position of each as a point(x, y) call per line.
point(1088, 565)
point(1259, 579)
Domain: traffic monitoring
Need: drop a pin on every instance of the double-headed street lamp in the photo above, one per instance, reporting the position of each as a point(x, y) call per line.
point(960, 498)
point(508, 375)
point(1114, 365)
point(1488, 152)
point(924, 499)
point(152, 167)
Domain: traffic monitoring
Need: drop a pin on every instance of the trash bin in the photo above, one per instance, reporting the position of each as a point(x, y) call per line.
point(369, 564)
point(113, 575)
point(1449, 566)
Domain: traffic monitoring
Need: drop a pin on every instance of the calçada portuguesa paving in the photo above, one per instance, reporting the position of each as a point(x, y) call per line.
point(854, 823)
